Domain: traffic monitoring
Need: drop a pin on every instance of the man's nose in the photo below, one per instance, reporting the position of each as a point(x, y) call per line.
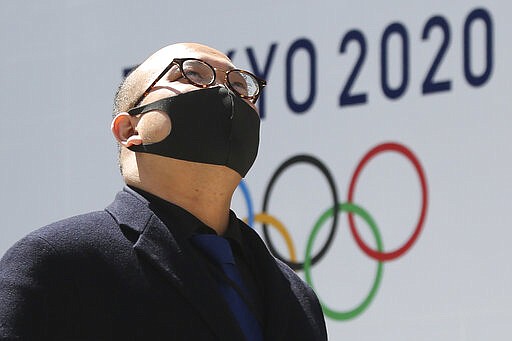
point(220, 78)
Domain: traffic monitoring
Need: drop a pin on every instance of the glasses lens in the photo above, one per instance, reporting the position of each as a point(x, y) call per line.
point(244, 83)
point(198, 72)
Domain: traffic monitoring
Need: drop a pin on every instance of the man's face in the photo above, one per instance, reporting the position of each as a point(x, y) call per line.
point(154, 126)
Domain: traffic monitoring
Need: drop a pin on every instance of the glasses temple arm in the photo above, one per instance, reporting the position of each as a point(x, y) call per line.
point(145, 93)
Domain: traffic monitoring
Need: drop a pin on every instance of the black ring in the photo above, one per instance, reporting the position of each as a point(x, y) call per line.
point(314, 161)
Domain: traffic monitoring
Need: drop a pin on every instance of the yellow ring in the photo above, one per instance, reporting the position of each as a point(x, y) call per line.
point(268, 219)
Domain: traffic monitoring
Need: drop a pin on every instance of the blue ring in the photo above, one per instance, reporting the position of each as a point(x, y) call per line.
point(250, 210)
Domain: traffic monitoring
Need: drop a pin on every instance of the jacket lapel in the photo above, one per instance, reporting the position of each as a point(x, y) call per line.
point(177, 263)
point(277, 295)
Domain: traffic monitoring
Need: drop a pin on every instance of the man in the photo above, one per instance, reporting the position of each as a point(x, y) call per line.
point(146, 267)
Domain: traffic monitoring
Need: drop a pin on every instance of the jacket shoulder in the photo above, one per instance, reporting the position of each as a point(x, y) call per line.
point(78, 230)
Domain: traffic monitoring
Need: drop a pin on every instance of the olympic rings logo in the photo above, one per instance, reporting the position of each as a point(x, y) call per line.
point(337, 207)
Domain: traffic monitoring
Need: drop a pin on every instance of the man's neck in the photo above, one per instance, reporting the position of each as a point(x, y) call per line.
point(203, 190)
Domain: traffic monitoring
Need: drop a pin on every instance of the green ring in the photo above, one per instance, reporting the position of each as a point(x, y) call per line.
point(347, 207)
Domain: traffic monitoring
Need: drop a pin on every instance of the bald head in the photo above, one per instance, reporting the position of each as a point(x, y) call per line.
point(141, 78)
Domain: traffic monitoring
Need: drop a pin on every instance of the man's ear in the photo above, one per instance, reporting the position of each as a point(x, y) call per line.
point(124, 130)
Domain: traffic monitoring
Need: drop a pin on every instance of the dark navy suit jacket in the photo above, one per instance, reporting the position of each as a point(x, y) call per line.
point(120, 274)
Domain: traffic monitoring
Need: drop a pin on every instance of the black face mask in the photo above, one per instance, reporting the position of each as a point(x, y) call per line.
point(212, 126)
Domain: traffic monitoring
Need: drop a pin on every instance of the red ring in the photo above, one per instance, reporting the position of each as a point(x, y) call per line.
point(386, 256)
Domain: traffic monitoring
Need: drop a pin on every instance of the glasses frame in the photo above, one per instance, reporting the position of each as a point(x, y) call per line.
point(179, 61)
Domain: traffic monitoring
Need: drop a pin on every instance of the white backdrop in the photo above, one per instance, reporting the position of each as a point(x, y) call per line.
point(61, 62)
